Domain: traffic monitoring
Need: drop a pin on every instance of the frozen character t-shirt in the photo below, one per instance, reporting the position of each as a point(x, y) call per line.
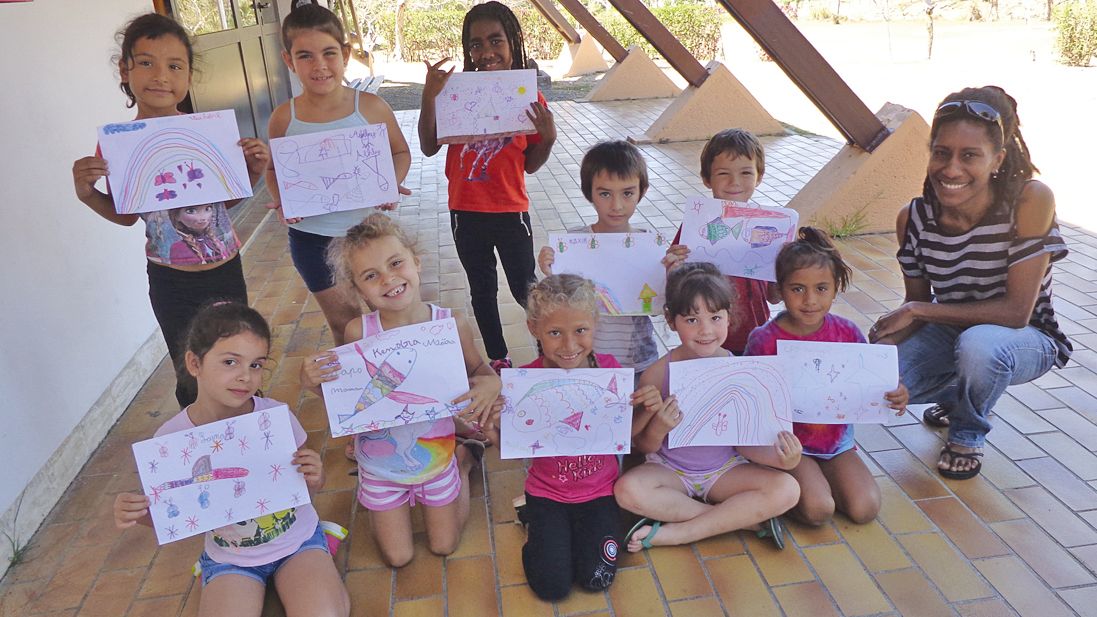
point(190, 236)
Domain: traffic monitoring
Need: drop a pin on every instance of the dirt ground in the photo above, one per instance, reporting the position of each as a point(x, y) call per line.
point(886, 62)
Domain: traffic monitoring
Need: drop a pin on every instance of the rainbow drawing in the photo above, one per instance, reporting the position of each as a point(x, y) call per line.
point(751, 393)
point(142, 158)
point(608, 304)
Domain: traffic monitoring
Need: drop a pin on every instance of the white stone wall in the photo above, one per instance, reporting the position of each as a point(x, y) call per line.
point(77, 334)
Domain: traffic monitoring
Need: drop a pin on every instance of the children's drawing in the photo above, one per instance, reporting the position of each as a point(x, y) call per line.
point(626, 268)
point(730, 401)
point(741, 239)
point(400, 376)
point(331, 171)
point(216, 479)
point(557, 412)
point(175, 161)
point(839, 383)
point(480, 105)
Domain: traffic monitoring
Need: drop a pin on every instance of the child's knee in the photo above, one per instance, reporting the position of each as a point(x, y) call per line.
point(784, 491)
point(397, 557)
point(815, 510)
point(865, 508)
point(550, 587)
point(628, 492)
point(443, 547)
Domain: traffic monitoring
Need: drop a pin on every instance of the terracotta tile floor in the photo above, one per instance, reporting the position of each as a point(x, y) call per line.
point(1020, 539)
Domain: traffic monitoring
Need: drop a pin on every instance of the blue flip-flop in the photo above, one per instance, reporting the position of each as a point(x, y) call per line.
point(773, 529)
point(646, 542)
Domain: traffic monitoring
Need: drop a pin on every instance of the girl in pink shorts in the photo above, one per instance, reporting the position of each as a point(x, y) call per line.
point(413, 464)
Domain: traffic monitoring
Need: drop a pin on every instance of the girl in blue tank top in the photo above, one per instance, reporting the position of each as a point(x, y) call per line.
point(315, 49)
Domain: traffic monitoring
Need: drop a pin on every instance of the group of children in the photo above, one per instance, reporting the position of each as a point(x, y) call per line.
point(365, 273)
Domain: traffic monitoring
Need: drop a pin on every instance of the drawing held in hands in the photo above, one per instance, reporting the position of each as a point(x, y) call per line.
point(175, 161)
point(332, 171)
point(190, 475)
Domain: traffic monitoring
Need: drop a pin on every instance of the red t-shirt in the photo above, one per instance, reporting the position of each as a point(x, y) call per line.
point(751, 309)
point(490, 175)
point(573, 479)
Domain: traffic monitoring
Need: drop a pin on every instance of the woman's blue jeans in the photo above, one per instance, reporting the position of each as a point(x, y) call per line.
point(966, 370)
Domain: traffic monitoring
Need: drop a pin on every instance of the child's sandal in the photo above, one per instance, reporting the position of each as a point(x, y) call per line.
point(774, 528)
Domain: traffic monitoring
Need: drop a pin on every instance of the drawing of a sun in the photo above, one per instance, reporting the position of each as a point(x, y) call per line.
point(521, 89)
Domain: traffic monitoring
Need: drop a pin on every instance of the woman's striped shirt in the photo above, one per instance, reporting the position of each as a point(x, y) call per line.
point(973, 265)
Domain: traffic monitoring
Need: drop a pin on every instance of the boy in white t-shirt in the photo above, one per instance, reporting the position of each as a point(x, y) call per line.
point(614, 178)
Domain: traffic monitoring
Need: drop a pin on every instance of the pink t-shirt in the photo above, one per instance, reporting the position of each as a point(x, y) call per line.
point(573, 479)
point(256, 541)
point(819, 440)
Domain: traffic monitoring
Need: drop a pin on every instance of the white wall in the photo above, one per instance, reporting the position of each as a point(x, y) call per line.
point(74, 306)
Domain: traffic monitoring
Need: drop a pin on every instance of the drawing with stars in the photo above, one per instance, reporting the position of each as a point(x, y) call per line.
point(558, 412)
point(741, 239)
point(205, 479)
point(840, 383)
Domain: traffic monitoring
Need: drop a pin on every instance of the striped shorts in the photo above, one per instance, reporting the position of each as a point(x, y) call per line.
point(381, 495)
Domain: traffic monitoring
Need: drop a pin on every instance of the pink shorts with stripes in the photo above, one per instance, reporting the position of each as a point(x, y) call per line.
point(381, 495)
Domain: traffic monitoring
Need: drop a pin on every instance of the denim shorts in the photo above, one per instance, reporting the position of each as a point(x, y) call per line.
point(212, 569)
point(308, 251)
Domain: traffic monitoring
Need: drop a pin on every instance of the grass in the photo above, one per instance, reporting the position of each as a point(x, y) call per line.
point(845, 226)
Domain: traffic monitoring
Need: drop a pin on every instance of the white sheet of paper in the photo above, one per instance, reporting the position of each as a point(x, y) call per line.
point(840, 383)
point(483, 104)
point(557, 412)
point(626, 269)
point(332, 171)
point(730, 401)
point(164, 163)
point(220, 473)
point(400, 376)
point(741, 239)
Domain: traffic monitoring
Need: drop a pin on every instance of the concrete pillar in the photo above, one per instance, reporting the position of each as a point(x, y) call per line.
point(862, 191)
point(635, 77)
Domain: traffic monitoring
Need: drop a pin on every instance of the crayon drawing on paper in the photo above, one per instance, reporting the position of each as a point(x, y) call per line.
point(220, 473)
point(626, 269)
point(730, 401)
point(840, 383)
point(481, 105)
point(400, 376)
point(741, 239)
point(332, 171)
point(557, 412)
point(176, 161)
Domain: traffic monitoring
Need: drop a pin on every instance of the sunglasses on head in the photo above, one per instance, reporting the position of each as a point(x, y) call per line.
point(975, 109)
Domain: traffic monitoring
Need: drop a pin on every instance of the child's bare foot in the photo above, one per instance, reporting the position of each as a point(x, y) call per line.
point(642, 535)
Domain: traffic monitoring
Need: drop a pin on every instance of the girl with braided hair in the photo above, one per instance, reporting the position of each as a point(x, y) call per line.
point(488, 203)
point(976, 251)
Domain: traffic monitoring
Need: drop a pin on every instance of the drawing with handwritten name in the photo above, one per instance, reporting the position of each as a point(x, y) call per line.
point(559, 412)
point(332, 171)
point(840, 383)
point(626, 269)
point(174, 161)
point(480, 105)
point(400, 376)
point(730, 401)
point(242, 466)
point(741, 239)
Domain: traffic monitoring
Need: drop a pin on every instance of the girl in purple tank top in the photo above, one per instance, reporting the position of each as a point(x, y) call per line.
point(697, 492)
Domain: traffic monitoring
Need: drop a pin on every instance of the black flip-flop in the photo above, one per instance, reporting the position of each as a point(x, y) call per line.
point(936, 416)
point(953, 455)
